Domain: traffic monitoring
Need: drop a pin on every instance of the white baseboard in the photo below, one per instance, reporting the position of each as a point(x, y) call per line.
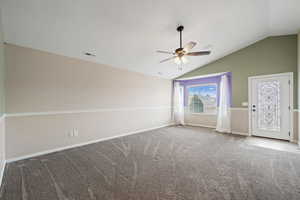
point(206, 126)
point(2, 173)
point(83, 144)
point(200, 125)
point(239, 133)
point(294, 141)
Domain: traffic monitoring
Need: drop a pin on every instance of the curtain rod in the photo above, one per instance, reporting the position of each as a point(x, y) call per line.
point(201, 76)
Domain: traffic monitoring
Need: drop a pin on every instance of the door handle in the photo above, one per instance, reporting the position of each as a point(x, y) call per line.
point(253, 110)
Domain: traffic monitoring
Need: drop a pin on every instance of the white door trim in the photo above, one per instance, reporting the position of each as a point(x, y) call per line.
point(290, 74)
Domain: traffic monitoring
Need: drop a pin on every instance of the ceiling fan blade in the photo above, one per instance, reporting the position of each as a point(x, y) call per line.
point(167, 59)
point(167, 52)
point(199, 53)
point(189, 46)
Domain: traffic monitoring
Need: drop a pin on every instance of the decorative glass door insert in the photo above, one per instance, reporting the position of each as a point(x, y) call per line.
point(269, 105)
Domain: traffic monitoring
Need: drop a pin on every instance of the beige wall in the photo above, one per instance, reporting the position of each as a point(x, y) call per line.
point(2, 147)
point(101, 101)
point(296, 127)
point(32, 134)
point(2, 73)
point(39, 82)
point(298, 60)
point(2, 103)
point(239, 122)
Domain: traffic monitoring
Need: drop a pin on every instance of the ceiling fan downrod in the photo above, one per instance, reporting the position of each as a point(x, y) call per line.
point(180, 29)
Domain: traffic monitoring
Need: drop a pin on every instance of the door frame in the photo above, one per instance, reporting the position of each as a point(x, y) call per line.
point(291, 92)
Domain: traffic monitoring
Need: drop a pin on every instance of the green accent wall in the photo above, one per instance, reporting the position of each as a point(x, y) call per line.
point(298, 73)
point(277, 54)
point(2, 73)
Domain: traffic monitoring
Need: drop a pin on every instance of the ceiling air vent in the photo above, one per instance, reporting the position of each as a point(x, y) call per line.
point(89, 54)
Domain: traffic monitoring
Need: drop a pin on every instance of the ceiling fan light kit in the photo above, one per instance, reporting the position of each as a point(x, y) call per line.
point(180, 54)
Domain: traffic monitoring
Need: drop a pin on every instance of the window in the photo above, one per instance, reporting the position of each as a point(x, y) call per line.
point(202, 98)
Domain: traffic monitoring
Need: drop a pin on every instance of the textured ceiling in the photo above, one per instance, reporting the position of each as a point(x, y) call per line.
point(126, 34)
point(284, 17)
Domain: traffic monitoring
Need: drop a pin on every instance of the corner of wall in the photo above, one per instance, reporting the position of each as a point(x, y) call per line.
point(2, 146)
point(298, 74)
point(2, 104)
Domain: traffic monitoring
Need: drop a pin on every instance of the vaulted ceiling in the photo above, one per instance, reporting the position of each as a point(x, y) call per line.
point(126, 34)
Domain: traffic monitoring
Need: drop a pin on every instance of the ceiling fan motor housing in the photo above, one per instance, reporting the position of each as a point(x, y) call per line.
point(180, 52)
point(180, 28)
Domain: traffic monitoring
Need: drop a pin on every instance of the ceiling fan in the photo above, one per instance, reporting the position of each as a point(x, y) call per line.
point(179, 55)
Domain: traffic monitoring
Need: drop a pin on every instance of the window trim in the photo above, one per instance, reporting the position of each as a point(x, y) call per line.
point(197, 85)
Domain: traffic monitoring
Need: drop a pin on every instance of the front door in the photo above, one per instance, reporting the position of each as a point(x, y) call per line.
point(270, 106)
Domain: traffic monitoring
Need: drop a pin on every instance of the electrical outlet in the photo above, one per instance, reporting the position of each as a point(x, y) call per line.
point(73, 133)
